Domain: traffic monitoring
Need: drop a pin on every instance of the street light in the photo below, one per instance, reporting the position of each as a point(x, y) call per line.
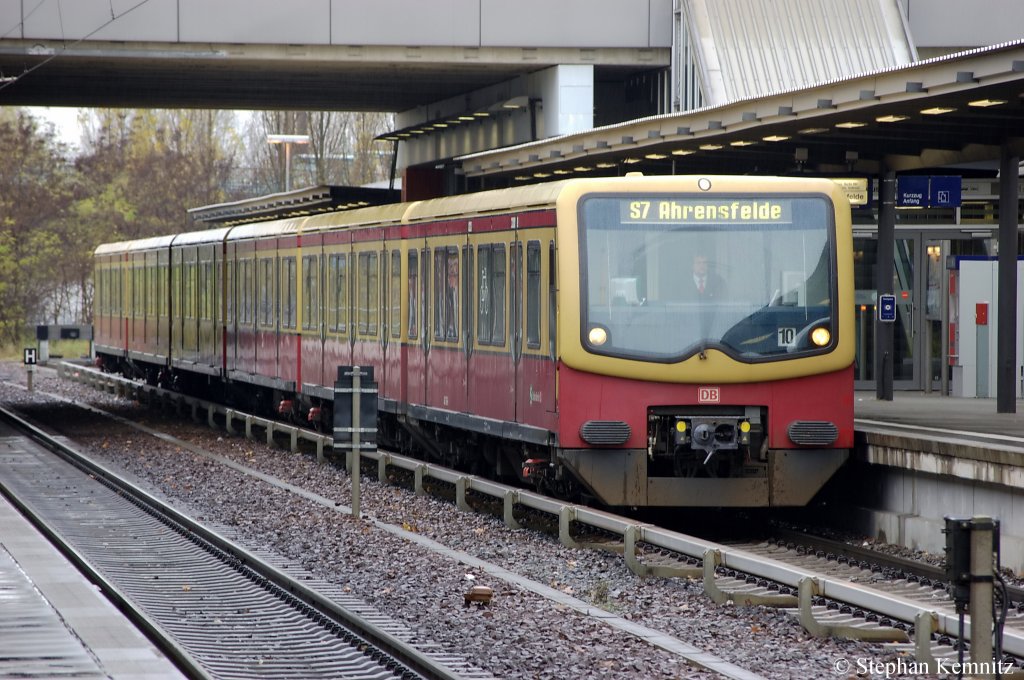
point(288, 140)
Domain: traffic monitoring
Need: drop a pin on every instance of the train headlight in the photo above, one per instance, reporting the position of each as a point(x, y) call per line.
point(744, 437)
point(821, 336)
point(682, 432)
point(597, 336)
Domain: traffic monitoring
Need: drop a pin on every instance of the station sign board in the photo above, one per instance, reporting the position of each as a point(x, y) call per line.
point(923, 191)
point(944, 191)
point(857, 189)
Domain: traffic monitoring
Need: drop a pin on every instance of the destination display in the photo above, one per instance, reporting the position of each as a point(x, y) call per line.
point(654, 210)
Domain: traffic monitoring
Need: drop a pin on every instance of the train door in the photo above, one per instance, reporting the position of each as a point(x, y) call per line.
point(535, 374)
point(446, 382)
point(907, 331)
point(392, 385)
point(207, 305)
point(163, 301)
point(367, 260)
point(311, 311)
point(190, 304)
point(266, 322)
point(418, 326)
point(515, 269)
point(491, 382)
point(339, 331)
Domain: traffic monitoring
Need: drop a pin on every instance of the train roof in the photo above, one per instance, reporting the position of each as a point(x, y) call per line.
point(487, 202)
point(150, 243)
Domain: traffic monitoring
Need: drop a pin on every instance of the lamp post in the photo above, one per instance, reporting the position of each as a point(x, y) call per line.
point(288, 140)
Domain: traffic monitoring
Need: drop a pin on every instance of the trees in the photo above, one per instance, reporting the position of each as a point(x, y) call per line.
point(137, 174)
point(37, 187)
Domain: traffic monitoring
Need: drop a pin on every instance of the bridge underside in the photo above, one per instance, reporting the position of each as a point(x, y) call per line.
point(349, 78)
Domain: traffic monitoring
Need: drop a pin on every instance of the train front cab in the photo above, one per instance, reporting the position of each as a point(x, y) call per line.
point(669, 400)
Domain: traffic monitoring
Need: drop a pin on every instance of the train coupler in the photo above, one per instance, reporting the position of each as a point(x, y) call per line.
point(535, 468)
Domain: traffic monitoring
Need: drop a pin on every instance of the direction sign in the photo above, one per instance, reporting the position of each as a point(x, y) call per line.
point(887, 308)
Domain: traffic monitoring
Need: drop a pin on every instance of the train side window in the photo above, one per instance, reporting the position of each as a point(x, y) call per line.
point(288, 296)
point(339, 301)
point(373, 294)
point(498, 293)
point(266, 279)
point(207, 309)
point(310, 292)
point(446, 294)
point(439, 287)
point(552, 297)
point(414, 282)
point(533, 294)
point(367, 295)
point(484, 282)
point(189, 296)
point(396, 294)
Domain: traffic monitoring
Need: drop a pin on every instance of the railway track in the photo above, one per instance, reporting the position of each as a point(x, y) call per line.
point(217, 609)
point(835, 600)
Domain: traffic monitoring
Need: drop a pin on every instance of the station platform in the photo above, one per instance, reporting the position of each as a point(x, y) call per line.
point(937, 412)
point(56, 624)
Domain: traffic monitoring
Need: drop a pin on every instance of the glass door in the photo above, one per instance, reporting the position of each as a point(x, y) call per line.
point(907, 329)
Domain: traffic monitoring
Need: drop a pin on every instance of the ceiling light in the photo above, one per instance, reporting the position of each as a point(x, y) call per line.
point(982, 103)
point(710, 147)
point(813, 131)
point(522, 178)
point(656, 156)
point(937, 110)
point(605, 166)
point(562, 171)
point(891, 118)
point(630, 161)
point(541, 175)
point(481, 114)
point(583, 168)
point(849, 125)
point(683, 152)
point(741, 142)
point(775, 138)
point(467, 118)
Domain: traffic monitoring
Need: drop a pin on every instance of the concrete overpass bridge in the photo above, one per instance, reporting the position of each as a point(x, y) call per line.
point(351, 55)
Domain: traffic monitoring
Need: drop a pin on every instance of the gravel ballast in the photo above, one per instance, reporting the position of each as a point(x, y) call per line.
point(520, 634)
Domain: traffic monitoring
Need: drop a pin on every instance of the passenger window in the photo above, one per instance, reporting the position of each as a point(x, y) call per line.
point(338, 304)
point(266, 276)
point(396, 294)
point(310, 292)
point(491, 294)
point(446, 294)
point(414, 282)
point(288, 296)
point(367, 293)
point(533, 294)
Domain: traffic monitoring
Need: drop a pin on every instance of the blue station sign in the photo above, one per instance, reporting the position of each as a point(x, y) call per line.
point(922, 191)
point(944, 191)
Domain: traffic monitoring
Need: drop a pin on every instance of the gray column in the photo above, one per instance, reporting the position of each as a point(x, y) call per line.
point(1006, 341)
point(884, 271)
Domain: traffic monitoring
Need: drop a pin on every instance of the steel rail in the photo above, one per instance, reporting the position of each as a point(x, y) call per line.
point(892, 606)
point(403, 652)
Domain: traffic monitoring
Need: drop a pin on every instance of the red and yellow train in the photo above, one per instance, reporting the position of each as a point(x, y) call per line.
point(642, 341)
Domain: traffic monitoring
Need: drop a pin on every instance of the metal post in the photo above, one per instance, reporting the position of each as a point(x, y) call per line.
point(1006, 339)
point(982, 549)
point(356, 388)
point(885, 268)
point(30, 371)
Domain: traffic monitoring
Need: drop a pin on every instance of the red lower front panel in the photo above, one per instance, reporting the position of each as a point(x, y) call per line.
point(586, 396)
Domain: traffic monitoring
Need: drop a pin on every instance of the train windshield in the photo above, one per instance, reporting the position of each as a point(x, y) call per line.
point(667, 277)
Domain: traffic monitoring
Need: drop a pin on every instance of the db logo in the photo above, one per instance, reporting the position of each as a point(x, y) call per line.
point(708, 395)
